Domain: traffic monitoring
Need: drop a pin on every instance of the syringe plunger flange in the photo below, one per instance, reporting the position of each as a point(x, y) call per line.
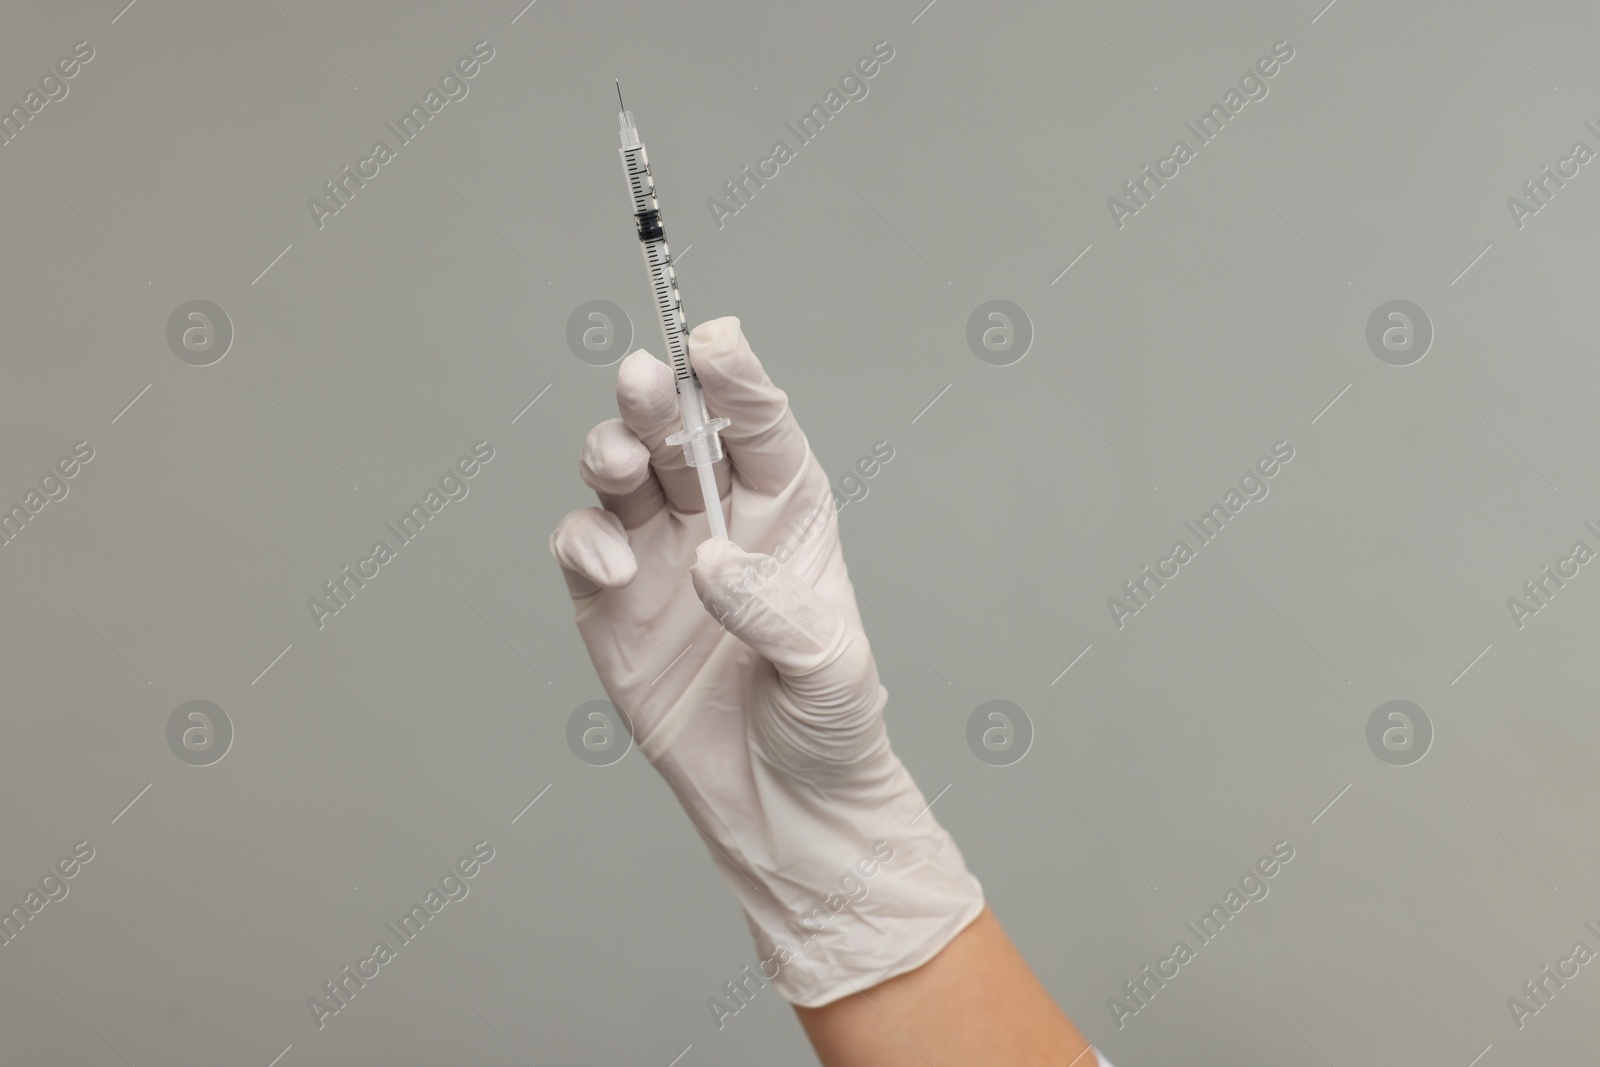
point(708, 433)
point(697, 428)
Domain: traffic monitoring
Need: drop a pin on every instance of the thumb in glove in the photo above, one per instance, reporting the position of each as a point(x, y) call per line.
point(817, 702)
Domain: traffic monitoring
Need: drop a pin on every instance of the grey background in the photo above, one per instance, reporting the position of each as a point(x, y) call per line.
point(1222, 318)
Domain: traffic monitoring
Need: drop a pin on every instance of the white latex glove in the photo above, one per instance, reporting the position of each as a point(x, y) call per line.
point(770, 731)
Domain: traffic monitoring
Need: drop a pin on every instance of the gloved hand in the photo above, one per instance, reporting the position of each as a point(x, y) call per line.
point(749, 681)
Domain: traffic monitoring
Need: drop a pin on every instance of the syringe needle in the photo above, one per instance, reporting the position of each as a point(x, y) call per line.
point(620, 105)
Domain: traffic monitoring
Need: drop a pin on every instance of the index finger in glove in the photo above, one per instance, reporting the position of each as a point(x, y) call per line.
point(763, 440)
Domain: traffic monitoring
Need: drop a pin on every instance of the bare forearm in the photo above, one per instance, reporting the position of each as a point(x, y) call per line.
point(977, 1002)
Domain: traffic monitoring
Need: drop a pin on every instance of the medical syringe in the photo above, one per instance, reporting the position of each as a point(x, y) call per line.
point(702, 446)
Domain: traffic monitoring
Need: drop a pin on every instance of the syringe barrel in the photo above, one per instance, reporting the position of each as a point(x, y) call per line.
point(700, 435)
point(657, 257)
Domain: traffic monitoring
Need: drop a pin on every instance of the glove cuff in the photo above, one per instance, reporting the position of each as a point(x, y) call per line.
point(847, 889)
